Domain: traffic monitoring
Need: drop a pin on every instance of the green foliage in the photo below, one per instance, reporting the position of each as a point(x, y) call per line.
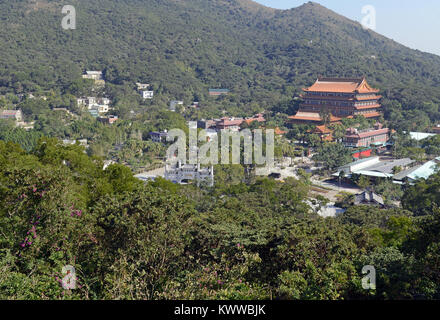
point(192, 50)
point(333, 155)
point(130, 240)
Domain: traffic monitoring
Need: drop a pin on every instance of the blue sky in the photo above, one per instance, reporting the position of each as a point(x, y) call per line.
point(415, 24)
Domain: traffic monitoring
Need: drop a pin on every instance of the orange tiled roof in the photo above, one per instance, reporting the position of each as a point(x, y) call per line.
point(328, 138)
point(366, 98)
point(312, 116)
point(372, 115)
point(341, 85)
point(323, 129)
point(369, 133)
point(368, 107)
point(278, 131)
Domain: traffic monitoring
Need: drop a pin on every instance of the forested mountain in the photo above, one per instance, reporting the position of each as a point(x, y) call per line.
point(184, 47)
point(247, 237)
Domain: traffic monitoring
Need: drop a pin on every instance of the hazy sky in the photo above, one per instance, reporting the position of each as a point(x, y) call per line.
point(415, 24)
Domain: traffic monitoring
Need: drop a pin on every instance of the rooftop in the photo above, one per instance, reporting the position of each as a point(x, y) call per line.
point(354, 133)
point(369, 197)
point(421, 135)
point(420, 172)
point(312, 116)
point(341, 85)
point(375, 167)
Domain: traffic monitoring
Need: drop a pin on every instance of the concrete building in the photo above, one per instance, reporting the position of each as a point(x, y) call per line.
point(81, 142)
point(174, 104)
point(91, 102)
point(207, 124)
point(16, 115)
point(419, 136)
point(375, 167)
point(340, 98)
point(146, 94)
point(436, 129)
point(93, 75)
point(183, 173)
point(377, 136)
point(142, 86)
point(109, 119)
point(97, 76)
point(218, 92)
point(159, 136)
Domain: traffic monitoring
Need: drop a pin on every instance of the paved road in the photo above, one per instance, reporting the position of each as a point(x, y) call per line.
point(335, 190)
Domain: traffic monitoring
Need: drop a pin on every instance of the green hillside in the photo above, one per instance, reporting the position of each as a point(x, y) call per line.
point(262, 55)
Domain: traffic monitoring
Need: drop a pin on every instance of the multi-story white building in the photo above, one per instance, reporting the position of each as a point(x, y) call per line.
point(183, 173)
point(16, 115)
point(93, 75)
point(146, 94)
point(142, 86)
point(94, 103)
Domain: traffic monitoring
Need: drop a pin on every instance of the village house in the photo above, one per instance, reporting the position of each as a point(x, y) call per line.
point(195, 105)
point(94, 113)
point(93, 75)
point(339, 98)
point(146, 94)
point(174, 104)
point(234, 124)
point(159, 136)
point(226, 123)
point(142, 86)
point(100, 108)
point(81, 142)
point(207, 124)
point(91, 102)
point(108, 120)
point(218, 92)
point(16, 115)
point(258, 117)
point(97, 76)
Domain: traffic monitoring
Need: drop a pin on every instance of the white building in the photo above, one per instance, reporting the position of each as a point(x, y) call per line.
point(16, 115)
point(94, 103)
point(183, 173)
point(175, 103)
point(93, 75)
point(102, 108)
point(159, 136)
point(81, 142)
point(147, 94)
point(142, 86)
